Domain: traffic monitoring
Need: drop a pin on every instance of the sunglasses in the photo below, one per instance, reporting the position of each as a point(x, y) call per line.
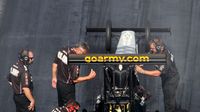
point(31, 58)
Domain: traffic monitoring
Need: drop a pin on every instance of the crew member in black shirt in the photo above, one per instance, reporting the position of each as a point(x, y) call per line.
point(64, 75)
point(20, 80)
point(168, 73)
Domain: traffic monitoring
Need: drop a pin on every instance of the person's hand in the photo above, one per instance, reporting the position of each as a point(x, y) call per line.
point(54, 82)
point(31, 106)
point(139, 69)
point(92, 74)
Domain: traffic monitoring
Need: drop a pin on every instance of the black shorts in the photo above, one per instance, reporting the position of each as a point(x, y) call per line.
point(66, 92)
point(21, 103)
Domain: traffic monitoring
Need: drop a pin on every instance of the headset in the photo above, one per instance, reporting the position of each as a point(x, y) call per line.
point(158, 44)
point(23, 56)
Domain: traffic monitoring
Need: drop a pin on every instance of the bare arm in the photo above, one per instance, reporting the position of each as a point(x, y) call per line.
point(29, 95)
point(154, 73)
point(54, 75)
point(91, 75)
point(81, 79)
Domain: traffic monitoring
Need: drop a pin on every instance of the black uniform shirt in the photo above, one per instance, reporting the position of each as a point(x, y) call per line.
point(20, 77)
point(65, 73)
point(168, 70)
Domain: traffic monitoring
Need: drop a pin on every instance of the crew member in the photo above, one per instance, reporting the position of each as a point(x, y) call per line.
point(20, 80)
point(65, 75)
point(168, 73)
